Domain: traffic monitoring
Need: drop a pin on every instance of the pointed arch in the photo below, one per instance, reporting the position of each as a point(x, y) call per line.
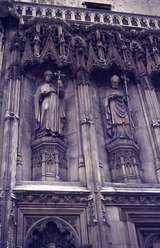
point(62, 225)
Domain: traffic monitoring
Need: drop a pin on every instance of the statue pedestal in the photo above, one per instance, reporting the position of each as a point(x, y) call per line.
point(48, 158)
point(124, 160)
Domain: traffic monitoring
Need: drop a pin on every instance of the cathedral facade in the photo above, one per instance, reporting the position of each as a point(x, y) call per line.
point(79, 124)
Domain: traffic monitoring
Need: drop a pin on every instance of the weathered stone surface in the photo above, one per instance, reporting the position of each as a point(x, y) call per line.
point(88, 177)
point(146, 7)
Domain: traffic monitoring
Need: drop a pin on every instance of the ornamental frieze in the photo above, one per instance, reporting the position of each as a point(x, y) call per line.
point(95, 48)
point(53, 198)
point(126, 199)
point(89, 16)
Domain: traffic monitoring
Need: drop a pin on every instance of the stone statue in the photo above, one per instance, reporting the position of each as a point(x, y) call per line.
point(116, 110)
point(101, 49)
point(49, 107)
point(52, 245)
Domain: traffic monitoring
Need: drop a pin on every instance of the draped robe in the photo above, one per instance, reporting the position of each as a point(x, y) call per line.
point(49, 111)
point(118, 123)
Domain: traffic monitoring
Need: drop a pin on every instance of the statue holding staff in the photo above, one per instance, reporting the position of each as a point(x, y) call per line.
point(117, 113)
point(49, 106)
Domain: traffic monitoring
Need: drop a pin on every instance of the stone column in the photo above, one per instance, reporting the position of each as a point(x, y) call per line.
point(120, 234)
point(1, 45)
point(149, 99)
point(12, 112)
point(10, 139)
point(149, 132)
point(154, 106)
point(150, 106)
point(97, 229)
point(85, 122)
point(81, 164)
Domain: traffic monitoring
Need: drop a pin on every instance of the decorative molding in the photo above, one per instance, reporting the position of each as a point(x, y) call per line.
point(100, 48)
point(156, 123)
point(124, 161)
point(84, 50)
point(31, 10)
point(68, 217)
point(131, 199)
point(92, 212)
point(48, 159)
point(51, 198)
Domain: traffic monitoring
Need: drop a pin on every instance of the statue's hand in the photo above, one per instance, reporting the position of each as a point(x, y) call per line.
point(113, 96)
point(44, 94)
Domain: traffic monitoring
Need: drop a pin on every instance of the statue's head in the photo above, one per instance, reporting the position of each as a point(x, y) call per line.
point(115, 81)
point(52, 245)
point(48, 76)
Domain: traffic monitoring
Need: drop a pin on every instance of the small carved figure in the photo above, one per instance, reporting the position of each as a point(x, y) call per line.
point(52, 245)
point(86, 246)
point(49, 108)
point(36, 46)
point(61, 42)
point(101, 49)
point(116, 110)
point(80, 46)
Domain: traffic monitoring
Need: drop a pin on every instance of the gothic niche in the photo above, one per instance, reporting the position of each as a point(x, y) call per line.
point(50, 236)
point(48, 146)
point(153, 241)
point(122, 149)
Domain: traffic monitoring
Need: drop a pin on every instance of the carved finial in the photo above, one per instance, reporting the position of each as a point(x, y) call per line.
point(59, 75)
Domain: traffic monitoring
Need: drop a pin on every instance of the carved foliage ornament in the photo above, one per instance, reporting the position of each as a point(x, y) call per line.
point(131, 199)
point(55, 198)
point(98, 46)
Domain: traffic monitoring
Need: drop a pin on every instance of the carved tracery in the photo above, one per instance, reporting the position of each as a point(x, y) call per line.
point(82, 52)
point(52, 232)
point(152, 241)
